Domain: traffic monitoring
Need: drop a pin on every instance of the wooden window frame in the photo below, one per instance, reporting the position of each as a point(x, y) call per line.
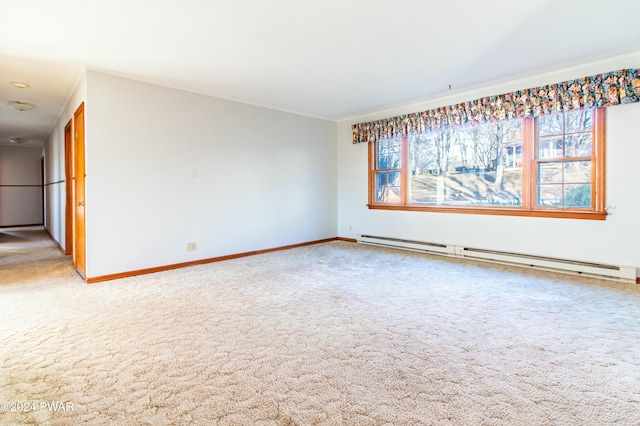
point(529, 179)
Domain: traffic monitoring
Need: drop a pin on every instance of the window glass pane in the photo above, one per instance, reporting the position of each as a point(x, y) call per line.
point(550, 147)
point(386, 146)
point(394, 194)
point(383, 147)
point(394, 178)
point(387, 187)
point(382, 194)
point(550, 195)
point(388, 161)
point(479, 165)
point(388, 194)
point(578, 121)
point(577, 172)
point(550, 172)
point(577, 195)
point(395, 145)
point(578, 145)
point(551, 124)
point(381, 178)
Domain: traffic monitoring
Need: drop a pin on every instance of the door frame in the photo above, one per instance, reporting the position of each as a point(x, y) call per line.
point(69, 188)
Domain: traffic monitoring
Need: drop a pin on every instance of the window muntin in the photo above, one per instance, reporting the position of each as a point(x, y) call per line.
point(547, 166)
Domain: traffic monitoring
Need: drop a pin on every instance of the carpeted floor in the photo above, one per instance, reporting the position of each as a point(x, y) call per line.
point(330, 334)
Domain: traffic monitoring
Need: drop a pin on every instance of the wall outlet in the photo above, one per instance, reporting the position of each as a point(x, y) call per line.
point(191, 246)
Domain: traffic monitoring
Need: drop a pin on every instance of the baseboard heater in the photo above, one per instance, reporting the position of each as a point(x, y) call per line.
point(589, 269)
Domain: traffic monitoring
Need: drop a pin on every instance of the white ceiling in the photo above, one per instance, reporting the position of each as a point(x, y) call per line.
point(331, 59)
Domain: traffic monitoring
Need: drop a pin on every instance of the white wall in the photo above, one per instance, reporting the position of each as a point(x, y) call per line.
point(264, 178)
point(20, 185)
point(615, 240)
point(55, 184)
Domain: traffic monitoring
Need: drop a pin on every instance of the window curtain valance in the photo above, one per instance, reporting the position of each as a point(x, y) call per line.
point(600, 90)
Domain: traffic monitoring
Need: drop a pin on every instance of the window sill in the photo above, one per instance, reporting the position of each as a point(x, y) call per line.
point(504, 211)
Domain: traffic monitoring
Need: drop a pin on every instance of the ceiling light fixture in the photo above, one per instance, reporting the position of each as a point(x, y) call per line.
point(21, 106)
point(18, 140)
point(20, 85)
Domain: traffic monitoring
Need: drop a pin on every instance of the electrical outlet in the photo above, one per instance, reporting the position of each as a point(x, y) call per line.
point(191, 246)
point(349, 227)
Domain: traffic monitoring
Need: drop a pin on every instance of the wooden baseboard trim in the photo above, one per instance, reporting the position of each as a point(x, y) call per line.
point(349, 240)
point(92, 280)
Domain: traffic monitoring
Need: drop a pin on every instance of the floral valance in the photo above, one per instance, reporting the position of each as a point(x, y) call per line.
point(601, 90)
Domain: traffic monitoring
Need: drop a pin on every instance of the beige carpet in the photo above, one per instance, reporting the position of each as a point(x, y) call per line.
point(330, 334)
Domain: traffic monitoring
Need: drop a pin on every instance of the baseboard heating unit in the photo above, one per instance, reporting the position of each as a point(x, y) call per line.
point(588, 269)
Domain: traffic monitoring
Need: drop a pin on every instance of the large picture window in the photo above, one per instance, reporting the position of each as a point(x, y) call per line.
point(552, 165)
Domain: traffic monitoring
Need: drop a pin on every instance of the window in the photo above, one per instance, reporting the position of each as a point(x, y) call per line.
point(388, 161)
point(552, 165)
point(564, 160)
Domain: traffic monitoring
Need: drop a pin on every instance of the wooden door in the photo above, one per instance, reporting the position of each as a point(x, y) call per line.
point(68, 180)
point(79, 173)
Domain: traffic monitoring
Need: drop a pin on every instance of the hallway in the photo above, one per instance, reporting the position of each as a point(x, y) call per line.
point(29, 256)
